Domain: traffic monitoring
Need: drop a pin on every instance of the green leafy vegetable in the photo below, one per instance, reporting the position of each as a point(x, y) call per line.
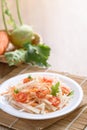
point(71, 93)
point(55, 89)
point(15, 57)
point(37, 54)
point(32, 54)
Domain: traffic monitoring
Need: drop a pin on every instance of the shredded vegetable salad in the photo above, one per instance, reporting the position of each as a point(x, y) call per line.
point(39, 95)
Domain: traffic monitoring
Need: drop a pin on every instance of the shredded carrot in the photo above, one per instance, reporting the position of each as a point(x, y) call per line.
point(34, 104)
point(26, 80)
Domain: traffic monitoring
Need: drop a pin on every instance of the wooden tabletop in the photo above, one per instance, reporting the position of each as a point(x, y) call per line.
point(5, 69)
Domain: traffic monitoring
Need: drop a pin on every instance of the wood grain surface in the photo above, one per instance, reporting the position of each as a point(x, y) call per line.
point(5, 69)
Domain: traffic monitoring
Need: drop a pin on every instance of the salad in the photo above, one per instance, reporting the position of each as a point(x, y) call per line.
point(39, 95)
point(20, 44)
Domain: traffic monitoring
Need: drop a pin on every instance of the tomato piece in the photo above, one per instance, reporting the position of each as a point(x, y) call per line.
point(55, 101)
point(42, 93)
point(34, 89)
point(47, 80)
point(21, 97)
point(26, 80)
point(65, 90)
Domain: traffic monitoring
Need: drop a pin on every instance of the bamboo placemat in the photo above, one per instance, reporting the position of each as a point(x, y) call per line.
point(76, 120)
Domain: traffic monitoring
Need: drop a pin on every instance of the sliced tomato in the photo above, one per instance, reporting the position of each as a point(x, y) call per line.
point(65, 90)
point(26, 80)
point(42, 93)
point(55, 101)
point(33, 89)
point(21, 97)
point(47, 80)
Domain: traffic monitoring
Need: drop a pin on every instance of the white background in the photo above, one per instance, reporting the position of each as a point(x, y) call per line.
point(63, 26)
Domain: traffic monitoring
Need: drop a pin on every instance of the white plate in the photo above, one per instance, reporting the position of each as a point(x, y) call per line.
point(74, 103)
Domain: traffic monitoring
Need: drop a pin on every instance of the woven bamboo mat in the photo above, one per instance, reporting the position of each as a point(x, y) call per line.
point(76, 120)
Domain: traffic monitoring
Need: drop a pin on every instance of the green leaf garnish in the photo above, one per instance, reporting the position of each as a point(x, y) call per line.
point(29, 77)
point(71, 93)
point(55, 89)
point(16, 91)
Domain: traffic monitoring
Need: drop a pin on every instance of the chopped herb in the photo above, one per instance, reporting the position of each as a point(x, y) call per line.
point(29, 77)
point(16, 91)
point(71, 93)
point(55, 89)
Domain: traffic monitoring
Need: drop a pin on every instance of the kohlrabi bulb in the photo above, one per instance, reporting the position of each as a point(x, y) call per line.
point(21, 35)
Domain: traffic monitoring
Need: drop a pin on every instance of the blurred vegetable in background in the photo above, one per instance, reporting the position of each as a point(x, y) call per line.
point(4, 41)
point(29, 48)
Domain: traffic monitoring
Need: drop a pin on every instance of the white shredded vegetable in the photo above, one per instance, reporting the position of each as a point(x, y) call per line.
point(38, 95)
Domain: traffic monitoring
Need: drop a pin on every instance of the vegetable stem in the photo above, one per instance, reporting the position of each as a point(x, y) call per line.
point(18, 12)
point(6, 11)
point(3, 16)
